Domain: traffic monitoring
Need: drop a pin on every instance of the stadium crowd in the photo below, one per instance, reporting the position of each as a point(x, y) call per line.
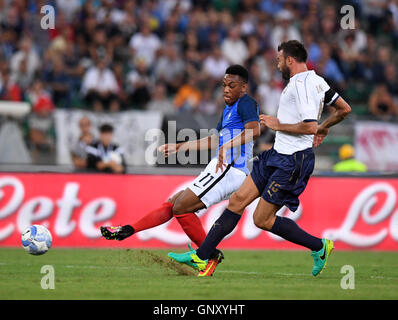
point(169, 55)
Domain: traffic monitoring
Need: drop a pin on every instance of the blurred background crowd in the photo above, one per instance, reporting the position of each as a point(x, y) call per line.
point(170, 56)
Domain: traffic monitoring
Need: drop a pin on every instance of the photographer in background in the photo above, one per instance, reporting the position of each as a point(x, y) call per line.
point(105, 156)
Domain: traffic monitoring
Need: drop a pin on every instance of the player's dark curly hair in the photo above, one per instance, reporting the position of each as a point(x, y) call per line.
point(238, 70)
point(294, 49)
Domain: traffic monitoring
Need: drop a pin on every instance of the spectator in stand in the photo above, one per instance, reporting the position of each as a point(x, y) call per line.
point(188, 96)
point(79, 150)
point(24, 63)
point(348, 163)
point(169, 69)
point(69, 7)
point(329, 68)
point(234, 49)
point(104, 155)
point(271, 7)
point(269, 95)
point(284, 29)
point(139, 83)
point(383, 58)
point(214, 66)
point(37, 92)
point(313, 48)
point(58, 82)
point(41, 126)
point(145, 44)
point(159, 100)
point(8, 40)
point(8, 90)
point(100, 87)
point(391, 80)
point(207, 104)
point(381, 103)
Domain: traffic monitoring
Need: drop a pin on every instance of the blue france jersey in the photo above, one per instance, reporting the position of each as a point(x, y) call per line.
point(231, 124)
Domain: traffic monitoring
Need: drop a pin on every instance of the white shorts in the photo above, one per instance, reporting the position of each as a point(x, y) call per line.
point(212, 187)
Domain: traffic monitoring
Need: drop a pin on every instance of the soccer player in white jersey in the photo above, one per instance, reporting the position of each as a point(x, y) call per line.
point(280, 174)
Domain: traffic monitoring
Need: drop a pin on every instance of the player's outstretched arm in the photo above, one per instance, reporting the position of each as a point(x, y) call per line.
point(251, 132)
point(205, 143)
point(304, 127)
point(342, 109)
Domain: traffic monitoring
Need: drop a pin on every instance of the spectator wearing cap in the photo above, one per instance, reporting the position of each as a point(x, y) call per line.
point(104, 155)
point(41, 126)
point(348, 163)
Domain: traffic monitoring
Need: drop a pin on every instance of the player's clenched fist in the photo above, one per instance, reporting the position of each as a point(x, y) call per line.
point(269, 121)
point(168, 149)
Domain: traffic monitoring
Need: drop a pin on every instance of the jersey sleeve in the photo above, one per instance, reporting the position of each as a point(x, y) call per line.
point(248, 111)
point(331, 96)
point(219, 124)
point(305, 101)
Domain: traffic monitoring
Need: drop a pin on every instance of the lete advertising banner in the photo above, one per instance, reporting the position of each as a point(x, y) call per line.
point(358, 213)
point(376, 144)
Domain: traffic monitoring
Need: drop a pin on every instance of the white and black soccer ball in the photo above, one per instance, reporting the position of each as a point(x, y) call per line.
point(36, 239)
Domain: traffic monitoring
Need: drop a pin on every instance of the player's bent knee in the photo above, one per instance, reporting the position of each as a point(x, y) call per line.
point(263, 222)
point(236, 203)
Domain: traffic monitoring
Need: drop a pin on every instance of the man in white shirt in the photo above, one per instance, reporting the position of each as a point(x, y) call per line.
point(215, 64)
point(144, 45)
point(100, 87)
point(280, 174)
point(234, 48)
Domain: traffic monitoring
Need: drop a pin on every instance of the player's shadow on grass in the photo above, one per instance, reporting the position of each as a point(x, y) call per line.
point(148, 258)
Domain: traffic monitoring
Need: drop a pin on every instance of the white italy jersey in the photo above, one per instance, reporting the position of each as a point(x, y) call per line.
point(301, 100)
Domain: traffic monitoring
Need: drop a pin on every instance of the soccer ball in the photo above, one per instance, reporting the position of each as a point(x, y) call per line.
point(36, 239)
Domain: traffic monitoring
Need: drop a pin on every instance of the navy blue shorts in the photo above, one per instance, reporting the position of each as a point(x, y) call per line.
point(281, 178)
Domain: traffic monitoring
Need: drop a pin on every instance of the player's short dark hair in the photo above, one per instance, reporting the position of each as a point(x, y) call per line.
point(106, 128)
point(238, 70)
point(294, 49)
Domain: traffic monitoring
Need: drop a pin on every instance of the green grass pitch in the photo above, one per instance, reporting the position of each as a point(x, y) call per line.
point(149, 274)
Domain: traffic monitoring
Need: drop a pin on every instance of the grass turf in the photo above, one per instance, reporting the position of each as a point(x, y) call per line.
point(149, 274)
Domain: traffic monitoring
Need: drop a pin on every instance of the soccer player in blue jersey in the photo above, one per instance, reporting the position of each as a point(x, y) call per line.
point(281, 174)
point(238, 127)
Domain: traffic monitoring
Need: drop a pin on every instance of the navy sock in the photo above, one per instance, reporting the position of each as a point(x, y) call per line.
point(222, 227)
point(289, 230)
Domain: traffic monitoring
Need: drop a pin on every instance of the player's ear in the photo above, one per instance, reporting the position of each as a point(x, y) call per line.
point(244, 88)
